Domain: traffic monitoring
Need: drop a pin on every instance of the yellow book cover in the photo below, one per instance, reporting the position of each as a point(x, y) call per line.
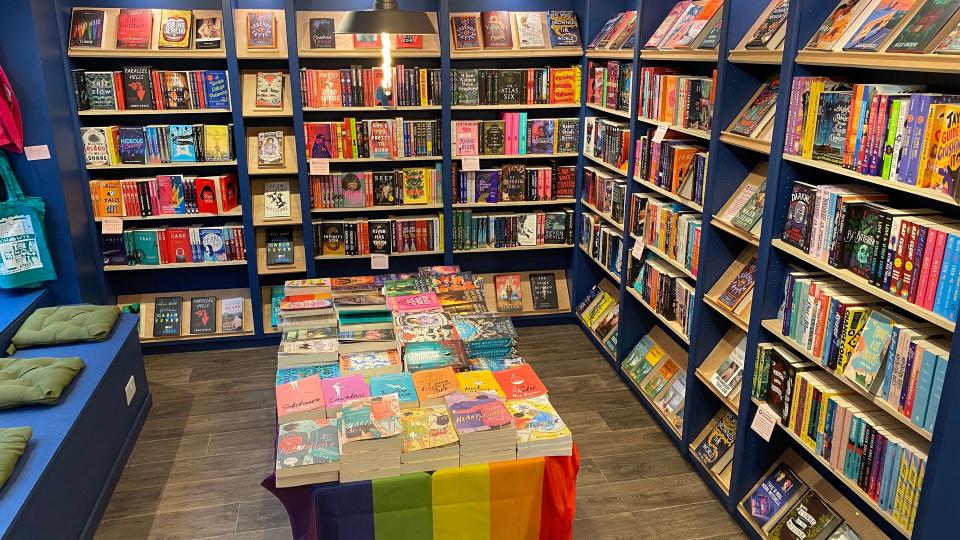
point(931, 133)
point(423, 88)
point(598, 308)
point(339, 130)
point(944, 172)
point(901, 486)
point(916, 497)
point(798, 382)
point(216, 143)
point(478, 381)
point(414, 186)
point(805, 413)
point(175, 28)
point(537, 420)
point(112, 134)
point(110, 198)
point(427, 427)
point(353, 137)
point(810, 118)
point(576, 86)
point(853, 321)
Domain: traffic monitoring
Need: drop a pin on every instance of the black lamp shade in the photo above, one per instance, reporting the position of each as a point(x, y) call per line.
point(385, 17)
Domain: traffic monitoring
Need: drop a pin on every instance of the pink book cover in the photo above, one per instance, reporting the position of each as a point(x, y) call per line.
point(508, 128)
point(468, 134)
point(934, 278)
point(666, 25)
point(414, 302)
point(520, 382)
point(925, 262)
point(340, 389)
point(300, 395)
point(165, 186)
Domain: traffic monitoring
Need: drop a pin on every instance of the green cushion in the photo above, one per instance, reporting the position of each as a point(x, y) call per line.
point(30, 381)
point(66, 324)
point(12, 443)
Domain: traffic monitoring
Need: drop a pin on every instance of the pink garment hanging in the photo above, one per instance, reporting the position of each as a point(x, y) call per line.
point(11, 125)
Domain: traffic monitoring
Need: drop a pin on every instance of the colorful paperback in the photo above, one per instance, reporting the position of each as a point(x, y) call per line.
point(520, 382)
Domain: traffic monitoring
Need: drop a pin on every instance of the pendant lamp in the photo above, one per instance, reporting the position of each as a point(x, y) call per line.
point(385, 17)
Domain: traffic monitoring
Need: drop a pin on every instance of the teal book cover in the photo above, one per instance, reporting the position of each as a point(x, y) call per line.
point(324, 371)
point(146, 246)
point(928, 364)
point(276, 295)
point(398, 383)
point(866, 361)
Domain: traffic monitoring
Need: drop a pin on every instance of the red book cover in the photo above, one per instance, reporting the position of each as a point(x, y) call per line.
point(299, 396)
point(934, 278)
point(497, 31)
point(229, 192)
point(179, 249)
point(134, 27)
point(404, 41)
point(367, 41)
point(118, 90)
point(520, 382)
point(206, 189)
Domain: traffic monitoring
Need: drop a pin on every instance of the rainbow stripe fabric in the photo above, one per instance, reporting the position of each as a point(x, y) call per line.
point(530, 499)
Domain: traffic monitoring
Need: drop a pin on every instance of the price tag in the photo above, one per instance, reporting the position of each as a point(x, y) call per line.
point(764, 421)
point(112, 225)
point(470, 163)
point(319, 166)
point(660, 134)
point(379, 261)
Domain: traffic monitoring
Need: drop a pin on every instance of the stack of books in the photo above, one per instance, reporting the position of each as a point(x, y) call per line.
point(485, 427)
point(307, 311)
point(540, 430)
point(487, 336)
point(371, 438)
point(308, 452)
point(430, 441)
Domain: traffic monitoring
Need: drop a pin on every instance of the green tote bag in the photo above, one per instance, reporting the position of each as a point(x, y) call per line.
point(24, 256)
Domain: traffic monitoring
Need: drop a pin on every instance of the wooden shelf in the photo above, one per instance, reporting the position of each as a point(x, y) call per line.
point(385, 160)
point(609, 272)
point(176, 164)
point(153, 50)
point(681, 55)
point(374, 109)
point(344, 42)
point(280, 28)
point(705, 379)
point(729, 315)
point(669, 194)
point(289, 166)
point(607, 110)
point(408, 254)
point(525, 156)
point(926, 193)
point(556, 202)
point(606, 217)
point(492, 54)
point(526, 294)
point(606, 165)
point(603, 54)
point(359, 54)
point(398, 208)
point(699, 133)
point(299, 257)
point(515, 248)
point(748, 56)
point(846, 481)
point(674, 326)
point(236, 212)
point(147, 300)
point(926, 63)
point(172, 266)
point(258, 186)
point(745, 142)
point(515, 106)
point(150, 112)
point(671, 262)
point(248, 91)
point(773, 326)
point(712, 362)
point(734, 231)
point(862, 284)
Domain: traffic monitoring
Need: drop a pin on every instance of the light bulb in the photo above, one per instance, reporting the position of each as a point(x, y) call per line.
point(387, 82)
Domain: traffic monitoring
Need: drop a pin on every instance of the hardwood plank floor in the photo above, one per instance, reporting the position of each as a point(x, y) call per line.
point(196, 470)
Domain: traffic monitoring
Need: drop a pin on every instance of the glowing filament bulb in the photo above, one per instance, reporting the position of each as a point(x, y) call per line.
point(387, 83)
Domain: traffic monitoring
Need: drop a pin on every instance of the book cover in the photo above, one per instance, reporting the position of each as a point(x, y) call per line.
point(86, 28)
point(270, 148)
point(866, 361)
point(182, 143)
point(564, 29)
point(132, 145)
point(306, 302)
point(231, 314)
point(927, 22)
point(740, 287)
point(415, 186)
point(536, 420)
point(829, 140)
point(718, 441)
point(380, 236)
point(543, 287)
point(101, 90)
point(479, 381)
point(366, 41)
point(215, 92)
point(466, 32)
point(810, 518)
point(760, 108)
point(427, 427)
point(764, 36)
point(520, 383)
point(414, 302)
point(776, 490)
point(408, 41)
point(322, 33)
point(834, 26)
point(137, 88)
point(360, 361)
point(497, 33)
point(878, 25)
point(370, 418)
point(276, 200)
point(134, 28)
point(508, 292)
point(433, 384)
point(529, 29)
point(540, 136)
point(166, 316)
point(474, 413)
point(203, 314)
point(395, 383)
point(493, 137)
point(513, 182)
point(331, 234)
point(175, 25)
point(324, 371)
point(279, 246)
point(308, 442)
point(176, 90)
point(797, 230)
point(951, 43)
point(95, 151)
point(338, 390)
point(729, 373)
point(207, 33)
point(568, 135)
point(299, 396)
point(261, 30)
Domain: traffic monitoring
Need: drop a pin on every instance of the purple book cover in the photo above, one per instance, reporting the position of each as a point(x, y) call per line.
point(340, 389)
point(477, 412)
point(488, 185)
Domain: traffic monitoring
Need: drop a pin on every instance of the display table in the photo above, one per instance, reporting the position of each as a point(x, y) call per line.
point(528, 499)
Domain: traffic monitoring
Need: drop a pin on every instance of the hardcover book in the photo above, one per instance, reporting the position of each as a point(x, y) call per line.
point(741, 285)
point(182, 143)
point(322, 33)
point(261, 30)
point(276, 200)
point(269, 91)
point(101, 90)
point(427, 427)
point(270, 149)
point(176, 90)
point(203, 314)
point(773, 494)
point(541, 136)
point(207, 34)
point(175, 25)
point(718, 441)
point(166, 316)
point(830, 138)
point(132, 145)
point(379, 236)
point(564, 29)
point(510, 86)
point(86, 28)
point(529, 30)
point(568, 135)
point(497, 33)
point(811, 518)
point(231, 314)
point(544, 289)
point(508, 292)
point(797, 230)
point(493, 138)
point(279, 246)
point(520, 382)
point(134, 28)
point(466, 32)
point(137, 88)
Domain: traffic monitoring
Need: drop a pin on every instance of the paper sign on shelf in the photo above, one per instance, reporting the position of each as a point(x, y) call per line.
point(764, 421)
point(379, 261)
point(470, 163)
point(319, 166)
point(34, 153)
point(637, 249)
point(660, 133)
point(112, 225)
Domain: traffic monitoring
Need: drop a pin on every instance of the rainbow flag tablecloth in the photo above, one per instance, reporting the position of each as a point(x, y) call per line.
point(530, 499)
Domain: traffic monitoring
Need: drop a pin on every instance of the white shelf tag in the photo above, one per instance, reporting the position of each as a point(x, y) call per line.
point(660, 134)
point(764, 421)
point(379, 261)
point(319, 166)
point(112, 225)
point(470, 163)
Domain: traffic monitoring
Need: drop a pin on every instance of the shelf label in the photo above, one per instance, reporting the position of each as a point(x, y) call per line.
point(660, 133)
point(112, 225)
point(34, 153)
point(470, 163)
point(764, 421)
point(637, 249)
point(379, 261)
point(319, 166)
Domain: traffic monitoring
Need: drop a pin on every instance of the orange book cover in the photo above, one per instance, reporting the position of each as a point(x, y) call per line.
point(682, 161)
point(110, 199)
point(300, 395)
point(852, 124)
point(433, 384)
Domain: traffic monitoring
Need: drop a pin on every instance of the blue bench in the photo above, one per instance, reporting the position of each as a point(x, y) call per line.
point(15, 306)
point(79, 447)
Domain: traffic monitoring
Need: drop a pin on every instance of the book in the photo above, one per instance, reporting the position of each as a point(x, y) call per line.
point(269, 91)
point(396, 383)
point(86, 28)
point(261, 30)
point(137, 88)
point(231, 314)
point(719, 440)
point(466, 32)
point(276, 200)
point(322, 33)
point(508, 292)
point(134, 28)
point(480, 380)
point(929, 25)
point(797, 230)
point(166, 316)
point(270, 149)
point(729, 373)
point(370, 419)
point(366, 41)
point(543, 287)
point(299, 396)
point(477, 413)
point(175, 26)
point(866, 361)
point(520, 382)
point(203, 314)
point(564, 29)
point(496, 27)
point(434, 384)
point(339, 390)
point(427, 427)
point(207, 33)
point(835, 25)
point(537, 420)
point(879, 25)
point(740, 287)
point(101, 90)
point(279, 246)
point(408, 41)
point(307, 445)
point(829, 140)
point(769, 35)
point(811, 518)
point(755, 116)
point(529, 29)
point(773, 496)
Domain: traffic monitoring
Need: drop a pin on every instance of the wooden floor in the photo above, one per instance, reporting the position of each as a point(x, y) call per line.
point(196, 470)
